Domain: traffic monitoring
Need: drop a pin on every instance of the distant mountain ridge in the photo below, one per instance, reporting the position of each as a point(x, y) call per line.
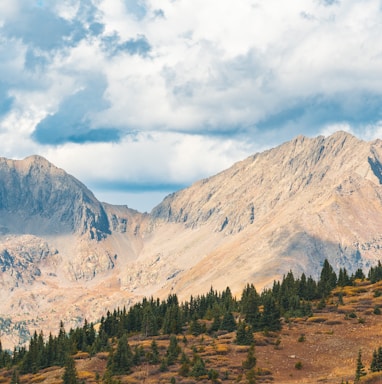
point(289, 207)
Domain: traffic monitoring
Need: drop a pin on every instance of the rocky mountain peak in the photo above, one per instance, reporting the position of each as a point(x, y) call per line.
point(257, 185)
point(38, 198)
point(287, 208)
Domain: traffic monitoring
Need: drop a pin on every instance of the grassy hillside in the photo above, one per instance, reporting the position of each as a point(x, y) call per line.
point(321, 348)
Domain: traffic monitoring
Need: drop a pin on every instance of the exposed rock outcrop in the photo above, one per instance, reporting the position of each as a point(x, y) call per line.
point(38, 198)
point(286, 208)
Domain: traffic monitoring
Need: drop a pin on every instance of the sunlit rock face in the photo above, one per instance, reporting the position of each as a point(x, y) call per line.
point(287, 208)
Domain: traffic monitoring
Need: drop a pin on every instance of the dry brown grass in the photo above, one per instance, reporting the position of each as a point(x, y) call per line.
point(328, 353)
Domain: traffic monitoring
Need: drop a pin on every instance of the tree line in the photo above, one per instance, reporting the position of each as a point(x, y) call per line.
point(211, 312)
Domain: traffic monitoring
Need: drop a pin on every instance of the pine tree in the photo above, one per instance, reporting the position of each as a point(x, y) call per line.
point(138, 354)
point(360, 368)
point(70, 373)
point(244, 334)
point(173, 350)
point(172, 319)
point(250, 306)
point(15, 379)
point(153, 354)
point(184, 369)
point(270, 318)
point(122, 360)
point(250, 361)
point(149, 322)
point(198, 367)
point(228, 323)
point(215, 324)
point(196, 327)
point(374, 362)
point(328, 279)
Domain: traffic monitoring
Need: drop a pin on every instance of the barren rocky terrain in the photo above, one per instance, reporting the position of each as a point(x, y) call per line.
point(65, 255)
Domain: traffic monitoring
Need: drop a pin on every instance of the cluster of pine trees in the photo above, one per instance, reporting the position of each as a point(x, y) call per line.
point(212, 312)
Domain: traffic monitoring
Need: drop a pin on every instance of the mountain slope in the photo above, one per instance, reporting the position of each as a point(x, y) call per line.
point(286, 208)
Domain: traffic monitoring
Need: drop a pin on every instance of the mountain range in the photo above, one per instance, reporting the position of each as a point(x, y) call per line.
point(66, 256)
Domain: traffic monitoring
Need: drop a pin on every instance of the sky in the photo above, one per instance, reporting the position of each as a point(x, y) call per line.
point(140, 98)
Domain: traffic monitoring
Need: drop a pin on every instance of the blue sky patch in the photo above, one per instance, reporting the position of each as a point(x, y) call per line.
point(38, 27)
point(137, 186)
point(5, 101)
point(137, 8)
point(134, 46)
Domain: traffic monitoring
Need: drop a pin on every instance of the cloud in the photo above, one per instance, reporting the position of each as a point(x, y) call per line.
point(329, 2)
point(178, 92)
point(357, 109)
point(148, 161)
point(73, 120)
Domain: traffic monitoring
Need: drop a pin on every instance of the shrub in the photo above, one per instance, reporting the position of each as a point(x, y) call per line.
point(301, 338)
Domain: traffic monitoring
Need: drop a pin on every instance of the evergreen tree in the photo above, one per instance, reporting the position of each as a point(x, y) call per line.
point(375, 273)
point(244, 334)
point(172, 319)
point(15, 379)
point(270, 318)
point(311, 289)
point(328, 279)
point(250, 306)
point(215, 326)
point(198, 367)
point(374, 362)
point(122, 360)
point(228, 323)
point(250, 361)
point(343, 278)
point(61, 346)
point(138, 354)
point(173, 350)
point(164, 365)
point(70, 373)
point(196, 327)
point(184, 369)
point(149, 322)
point(153, 354)
point(360, 368)
point(359, 274)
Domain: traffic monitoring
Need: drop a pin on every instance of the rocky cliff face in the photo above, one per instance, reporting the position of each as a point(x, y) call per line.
point(38, 198)
point(286, 208)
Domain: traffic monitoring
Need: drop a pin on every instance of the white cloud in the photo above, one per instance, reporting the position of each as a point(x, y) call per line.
point(212, 78)
point(153, 158)
point(332, 128)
